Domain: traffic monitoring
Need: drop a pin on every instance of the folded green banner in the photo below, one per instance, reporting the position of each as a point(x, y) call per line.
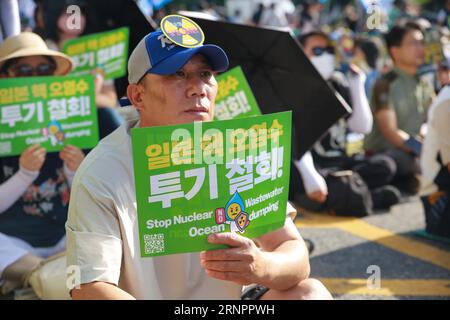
point(51, 111)
point(208, 177)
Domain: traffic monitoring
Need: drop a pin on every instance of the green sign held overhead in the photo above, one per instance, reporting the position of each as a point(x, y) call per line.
point(234, 97)
point(51, 111)
point(208, 177)
point(104, 52)
point(434, 53)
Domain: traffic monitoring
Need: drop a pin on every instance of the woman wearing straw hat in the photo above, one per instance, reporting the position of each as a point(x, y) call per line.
point(34, 188)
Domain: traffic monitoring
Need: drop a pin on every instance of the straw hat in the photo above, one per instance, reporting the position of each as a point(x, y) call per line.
point(30, 44)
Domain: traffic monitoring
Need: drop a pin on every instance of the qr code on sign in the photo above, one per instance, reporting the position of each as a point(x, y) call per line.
point(154, 243)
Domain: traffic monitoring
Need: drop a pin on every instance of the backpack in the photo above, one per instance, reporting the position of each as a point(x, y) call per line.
point(437, 213)
point(348, 194)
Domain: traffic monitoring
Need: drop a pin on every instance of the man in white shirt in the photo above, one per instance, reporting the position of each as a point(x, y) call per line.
point(169, 85)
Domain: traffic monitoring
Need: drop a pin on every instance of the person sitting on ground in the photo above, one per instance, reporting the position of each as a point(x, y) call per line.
point(35, 187)
point(329, 153)
point(400, 100)
point(178, 86)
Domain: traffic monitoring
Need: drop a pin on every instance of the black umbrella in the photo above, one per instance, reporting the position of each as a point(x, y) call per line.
point(281, 77)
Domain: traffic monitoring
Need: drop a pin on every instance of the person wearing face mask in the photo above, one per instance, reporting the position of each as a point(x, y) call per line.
point(329, 153)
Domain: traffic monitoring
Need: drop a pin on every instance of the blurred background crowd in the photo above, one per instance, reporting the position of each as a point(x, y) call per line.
point(355, 27)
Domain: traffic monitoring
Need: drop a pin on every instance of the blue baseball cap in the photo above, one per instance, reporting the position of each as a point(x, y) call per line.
point(156, 54)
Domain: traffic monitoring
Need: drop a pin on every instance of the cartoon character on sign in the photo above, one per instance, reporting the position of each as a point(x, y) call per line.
point(54, 132)
point(234, 214)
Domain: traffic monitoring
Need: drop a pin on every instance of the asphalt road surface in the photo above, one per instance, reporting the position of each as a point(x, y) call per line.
point(378, 257)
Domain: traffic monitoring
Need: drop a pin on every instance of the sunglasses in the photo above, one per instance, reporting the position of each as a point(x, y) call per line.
point(26, 70)
point(318, 51)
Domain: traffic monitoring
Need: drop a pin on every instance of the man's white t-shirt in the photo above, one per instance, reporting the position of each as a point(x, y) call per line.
point(102, 232)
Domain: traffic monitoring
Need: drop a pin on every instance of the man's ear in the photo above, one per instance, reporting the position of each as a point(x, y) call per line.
point(394, 51)
point(135, 93)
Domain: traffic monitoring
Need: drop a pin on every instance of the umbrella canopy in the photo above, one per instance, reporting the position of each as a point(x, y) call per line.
point(281, 76)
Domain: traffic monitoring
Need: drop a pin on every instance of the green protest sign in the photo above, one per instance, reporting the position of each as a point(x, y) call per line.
point(105, 52)
point(51, 111)
point(234, 98)
point(208, 177)
point(434, 53)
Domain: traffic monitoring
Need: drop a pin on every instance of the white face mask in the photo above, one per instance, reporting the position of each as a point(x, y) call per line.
point(324, 64)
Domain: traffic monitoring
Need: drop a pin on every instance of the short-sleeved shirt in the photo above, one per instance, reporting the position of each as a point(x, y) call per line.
point(102, 232)
point(39, 215)
point(409, 96)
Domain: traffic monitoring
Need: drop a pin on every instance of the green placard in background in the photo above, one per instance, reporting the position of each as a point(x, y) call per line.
point(51, 111)
point(105, 52)
point(434, 53)
point(234, 98)
point(208, 177)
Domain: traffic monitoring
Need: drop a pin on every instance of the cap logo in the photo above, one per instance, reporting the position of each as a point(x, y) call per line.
point(165, 41)
point(182, 31)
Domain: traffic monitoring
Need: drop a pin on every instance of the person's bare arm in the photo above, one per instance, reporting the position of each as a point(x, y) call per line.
point(387, 123)
point(100, 291)
point(280, 263)
point(288, 256)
